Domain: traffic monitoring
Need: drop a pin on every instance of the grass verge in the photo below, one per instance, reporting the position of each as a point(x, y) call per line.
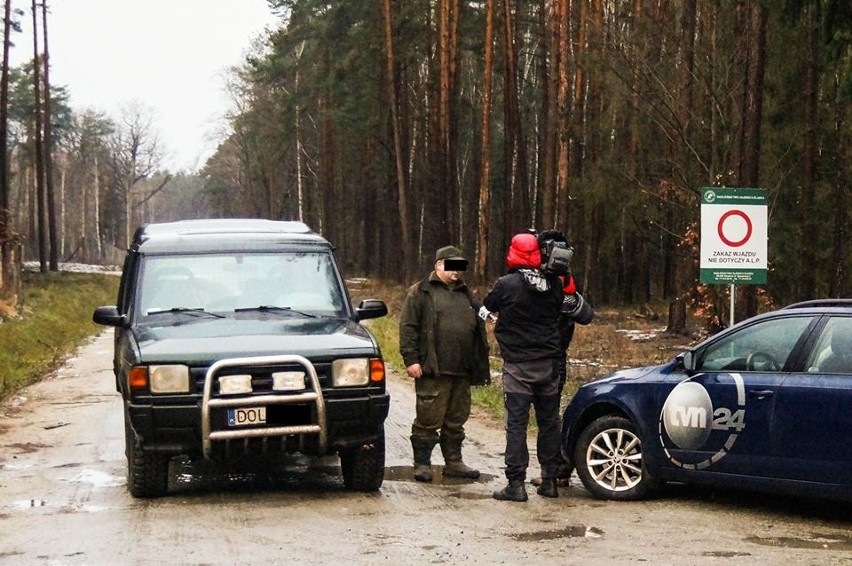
point(55, 320)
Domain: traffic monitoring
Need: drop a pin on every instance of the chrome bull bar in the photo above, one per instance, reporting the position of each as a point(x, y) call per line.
point(319, 428)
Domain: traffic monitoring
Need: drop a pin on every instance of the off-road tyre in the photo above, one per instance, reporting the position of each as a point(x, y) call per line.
point(363, 467)
point(609, 460)
point(147, 472)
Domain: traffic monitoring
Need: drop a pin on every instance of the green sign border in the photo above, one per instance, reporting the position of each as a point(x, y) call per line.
point(728, 196)
point(734, 276)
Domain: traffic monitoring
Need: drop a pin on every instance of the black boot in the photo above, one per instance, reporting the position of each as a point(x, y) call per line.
point(514, 491)
point(563, 473)
point(454, 466)
point(422, 458)
point(548, 488)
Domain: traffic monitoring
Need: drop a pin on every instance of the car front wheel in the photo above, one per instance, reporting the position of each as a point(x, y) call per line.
point(609, 460)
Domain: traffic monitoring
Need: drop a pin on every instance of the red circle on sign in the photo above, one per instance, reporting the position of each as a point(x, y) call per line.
point(744, 216)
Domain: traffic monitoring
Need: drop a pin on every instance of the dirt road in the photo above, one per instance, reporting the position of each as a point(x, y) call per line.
point(63, 501)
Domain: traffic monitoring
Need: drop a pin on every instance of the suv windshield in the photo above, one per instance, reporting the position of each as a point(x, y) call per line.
point(227, 282)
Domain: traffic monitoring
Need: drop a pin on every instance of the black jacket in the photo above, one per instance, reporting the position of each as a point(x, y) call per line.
point(528, 306)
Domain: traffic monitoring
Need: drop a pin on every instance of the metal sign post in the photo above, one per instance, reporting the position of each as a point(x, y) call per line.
point(733, 303)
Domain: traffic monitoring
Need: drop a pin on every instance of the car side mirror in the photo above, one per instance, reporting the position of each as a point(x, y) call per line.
point(109, 316)
point(371, 308)
point(687, 360)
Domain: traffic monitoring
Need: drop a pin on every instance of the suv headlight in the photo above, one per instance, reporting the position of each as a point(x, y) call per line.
point(169, 379)
point(350, 372)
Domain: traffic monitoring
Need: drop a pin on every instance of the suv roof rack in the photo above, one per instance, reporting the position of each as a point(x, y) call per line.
point(843, 303)
point(224, 226)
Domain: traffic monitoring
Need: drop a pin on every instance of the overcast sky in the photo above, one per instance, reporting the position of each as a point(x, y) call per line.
point(168, 55)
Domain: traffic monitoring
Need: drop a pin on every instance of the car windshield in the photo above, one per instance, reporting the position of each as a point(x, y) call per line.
point(303, 282)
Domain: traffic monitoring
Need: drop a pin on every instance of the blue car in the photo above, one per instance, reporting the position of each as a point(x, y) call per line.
point(764, 405)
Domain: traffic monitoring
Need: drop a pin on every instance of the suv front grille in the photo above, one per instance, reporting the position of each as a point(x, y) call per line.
point(261, 377)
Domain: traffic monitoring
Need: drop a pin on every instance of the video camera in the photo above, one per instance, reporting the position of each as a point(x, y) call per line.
point(556, 252)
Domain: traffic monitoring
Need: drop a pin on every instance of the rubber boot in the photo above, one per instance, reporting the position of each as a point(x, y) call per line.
point(514, 491)
point(454, 466)
point(422, 458)
point(548, 488)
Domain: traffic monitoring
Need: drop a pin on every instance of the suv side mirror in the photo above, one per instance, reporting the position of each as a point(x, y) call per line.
point(371, 308)
point(108, 316)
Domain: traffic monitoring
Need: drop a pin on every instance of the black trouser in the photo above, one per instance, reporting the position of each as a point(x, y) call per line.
point(531, 384)
point(547, 443)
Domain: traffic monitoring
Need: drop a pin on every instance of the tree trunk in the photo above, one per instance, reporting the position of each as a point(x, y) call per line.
point(809, 243)
point(677, 317)
point(563, 119)
point(517, 204)
point(448, 68)
point(545, 211)
point(41, 225)
point(5, 217)
point(396, 129)
point(96, 213)
point(485, 153)
point(10, 251)
point(48, 152)
point(676, 256)
point(754, 117)
point(840, 193)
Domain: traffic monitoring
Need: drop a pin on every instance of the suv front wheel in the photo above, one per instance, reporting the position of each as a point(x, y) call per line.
point(147, 472)
point(363, 467)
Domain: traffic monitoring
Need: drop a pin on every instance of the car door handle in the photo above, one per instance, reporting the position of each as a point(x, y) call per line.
point(761, 393)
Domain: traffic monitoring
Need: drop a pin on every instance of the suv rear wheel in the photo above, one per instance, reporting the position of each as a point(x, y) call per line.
point(363, 467)
point(147, 472)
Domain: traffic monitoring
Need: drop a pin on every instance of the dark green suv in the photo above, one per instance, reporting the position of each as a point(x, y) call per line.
point(236, 340)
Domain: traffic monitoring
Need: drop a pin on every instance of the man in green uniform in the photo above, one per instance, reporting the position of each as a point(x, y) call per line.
point(443, 345)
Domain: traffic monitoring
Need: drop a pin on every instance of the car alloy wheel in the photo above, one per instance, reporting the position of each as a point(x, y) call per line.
point(609, 459)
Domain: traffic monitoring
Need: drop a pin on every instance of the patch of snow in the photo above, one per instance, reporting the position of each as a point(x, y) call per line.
point(77, 268)
point(642, 335)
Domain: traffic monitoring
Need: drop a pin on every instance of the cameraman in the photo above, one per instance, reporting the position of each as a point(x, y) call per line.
point(557, 254)
point(528, 301)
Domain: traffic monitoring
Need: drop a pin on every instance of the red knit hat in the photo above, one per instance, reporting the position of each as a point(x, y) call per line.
point(523, 252)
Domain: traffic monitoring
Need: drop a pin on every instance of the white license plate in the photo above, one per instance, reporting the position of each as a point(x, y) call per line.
point(247, 416)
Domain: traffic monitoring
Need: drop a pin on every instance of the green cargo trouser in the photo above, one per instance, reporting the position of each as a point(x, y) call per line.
point(443, 407)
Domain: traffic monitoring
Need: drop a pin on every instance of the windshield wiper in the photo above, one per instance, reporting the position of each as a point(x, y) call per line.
point(273, 308)
point(195, 311)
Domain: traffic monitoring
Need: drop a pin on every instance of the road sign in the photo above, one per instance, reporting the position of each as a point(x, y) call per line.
point(733, 236)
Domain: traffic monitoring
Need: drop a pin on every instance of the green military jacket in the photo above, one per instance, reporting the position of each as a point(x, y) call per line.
point(417, 332)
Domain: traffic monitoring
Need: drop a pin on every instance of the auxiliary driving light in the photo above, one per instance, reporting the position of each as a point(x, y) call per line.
point(288, 380)
point(234, 384)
